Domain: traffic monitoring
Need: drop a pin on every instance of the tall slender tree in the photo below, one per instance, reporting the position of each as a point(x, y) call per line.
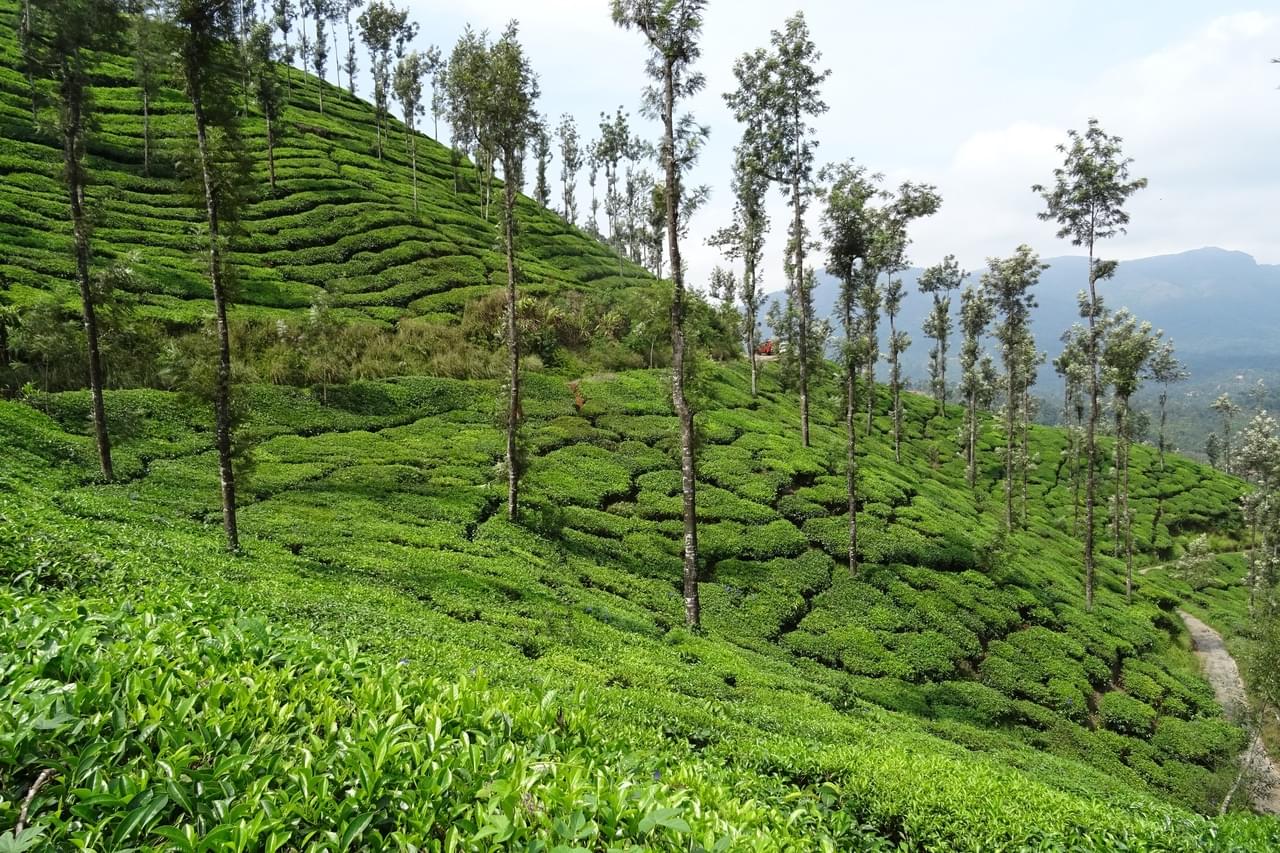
point(911, 202)
point(849, 232)
point(352, 62)
point(938, 282)
point(1087, 201)
point(305, 8)
point(512, 122)
point(266, 87)
point(975, 316)
point(203, 32)
point(407, 85)
point(1008, 283)
point(385, 31)
point(743, 240)
point(542, 156)
point(147, 64)
point(282, 17)
point(614, 147)
point(672, 29)
point(466, 92)
point(1032, 359)
point(27, 56)
point(435, 68)
point(1165, 369)
point(64, 37)
point(778, 95)
point(320, 11)
point(570, 164)
point(333, 18)
point(1227, 409)
point(899, 341)
point(870, 299)
point(1127, 350)
point(1072, 366)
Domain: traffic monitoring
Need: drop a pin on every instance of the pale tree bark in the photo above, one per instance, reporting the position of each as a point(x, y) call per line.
point(749, 276)
point(803, 342)
point(851, 435)
point(72, 140)
point(1026, 456)
point(688, 473)
point(972, 444)
point(1011, 405)
point(1091, 438)
point(896, 389)
point(513, 347)
point(222, 379)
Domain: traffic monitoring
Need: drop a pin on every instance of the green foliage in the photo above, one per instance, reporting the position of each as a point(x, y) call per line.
point(1126, 715)
point(952, 695)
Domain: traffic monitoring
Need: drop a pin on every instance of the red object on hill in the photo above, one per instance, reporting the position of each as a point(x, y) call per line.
point(765, 348)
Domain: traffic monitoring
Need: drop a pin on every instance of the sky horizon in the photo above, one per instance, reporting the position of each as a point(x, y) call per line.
point(970, 99)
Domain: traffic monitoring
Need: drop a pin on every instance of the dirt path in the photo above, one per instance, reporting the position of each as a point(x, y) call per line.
point(1220, 668)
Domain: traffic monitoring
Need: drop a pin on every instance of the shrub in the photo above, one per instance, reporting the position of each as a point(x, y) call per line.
point(1125, 715)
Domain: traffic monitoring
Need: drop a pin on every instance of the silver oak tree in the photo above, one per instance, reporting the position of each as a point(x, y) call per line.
point(1087, 200)
point(779, 94)
point(672, 30)
point(63, 41)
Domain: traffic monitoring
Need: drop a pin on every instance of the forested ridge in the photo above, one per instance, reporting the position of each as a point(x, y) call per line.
point(401, 512)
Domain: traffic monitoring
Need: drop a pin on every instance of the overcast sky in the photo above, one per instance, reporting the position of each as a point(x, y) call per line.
point(971, 97)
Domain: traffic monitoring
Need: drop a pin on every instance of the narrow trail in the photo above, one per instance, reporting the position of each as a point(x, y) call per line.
point(1221, 671)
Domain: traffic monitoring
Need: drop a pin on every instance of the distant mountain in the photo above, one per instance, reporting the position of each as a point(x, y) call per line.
point(1221, 308)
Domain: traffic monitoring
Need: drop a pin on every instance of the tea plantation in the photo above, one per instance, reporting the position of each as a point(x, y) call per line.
point(390, 663)
point(528, 685)
point(341, 223)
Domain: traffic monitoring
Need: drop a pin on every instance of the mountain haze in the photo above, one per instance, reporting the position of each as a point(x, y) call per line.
point(1221, 308)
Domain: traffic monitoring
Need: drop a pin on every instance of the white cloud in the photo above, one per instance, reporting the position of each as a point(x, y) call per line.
point(971, 97)
point(1200, 117)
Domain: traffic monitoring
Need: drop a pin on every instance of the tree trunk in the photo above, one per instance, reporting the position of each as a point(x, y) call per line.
point(1075, 475)
point(27, 60)
point(1117, 544)
point(413, 163)
point(222, 381)
point(1091, 439)
point(972, 445)
point(798, 272)
point(271, 152)
point(688, 482)
point(1124, 506)
point(1164, 401)
point(513, 346)
point(942, 375)
point(72, 138)
point(851, 434)
point(872, 356)
point(1226, 445)
point(869, 376)
point(1026, 456)
point(1011, 405)
point(146, 133)
point(895, 383)
point(5, 358)
point(749, 279)
point(337, 63)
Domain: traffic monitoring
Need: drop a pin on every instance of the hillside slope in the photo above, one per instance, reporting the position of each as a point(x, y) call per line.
point(954, 694)
point(390, 662)
point(340, 225)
